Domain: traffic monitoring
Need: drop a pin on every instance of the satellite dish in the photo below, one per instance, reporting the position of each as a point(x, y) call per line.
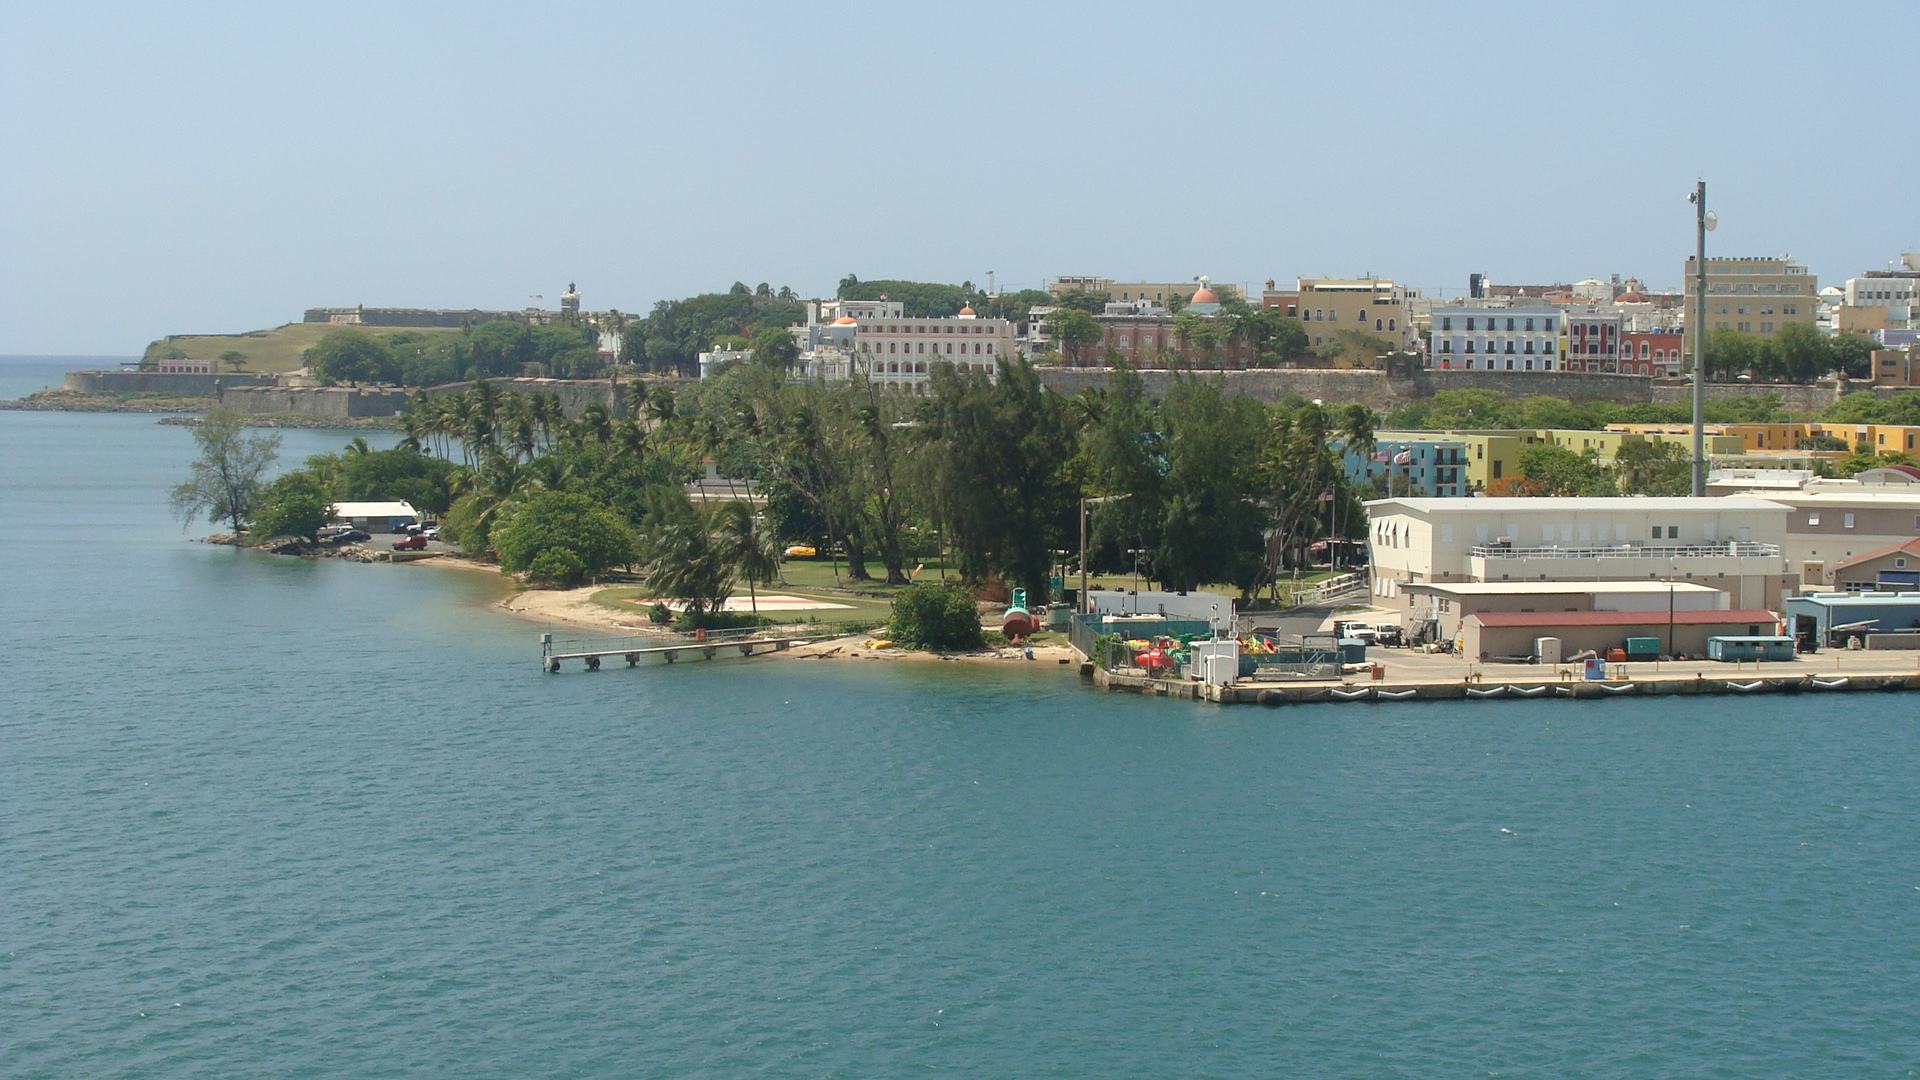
point(1712, 220)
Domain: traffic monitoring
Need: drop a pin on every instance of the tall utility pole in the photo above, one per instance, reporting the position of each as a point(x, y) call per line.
point(1700, 340)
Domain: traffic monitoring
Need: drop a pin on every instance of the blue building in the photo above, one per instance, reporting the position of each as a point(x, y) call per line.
point(1414, 465)
point(1813, 618)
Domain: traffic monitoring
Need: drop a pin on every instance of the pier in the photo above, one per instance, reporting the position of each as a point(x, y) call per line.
point(666, 647)
point(1394, 675)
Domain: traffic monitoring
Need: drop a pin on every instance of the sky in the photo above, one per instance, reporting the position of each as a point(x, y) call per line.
point(204, 168)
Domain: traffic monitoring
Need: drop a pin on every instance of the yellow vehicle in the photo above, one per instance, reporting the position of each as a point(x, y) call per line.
point(801, 551)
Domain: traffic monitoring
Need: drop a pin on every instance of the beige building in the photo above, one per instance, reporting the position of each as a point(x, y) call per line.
point(1756, 295)
point(1374, 305)
point(1831, 521)
point(1735, 544)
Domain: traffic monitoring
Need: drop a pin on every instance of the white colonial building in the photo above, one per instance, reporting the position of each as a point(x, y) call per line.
point(1496, 339)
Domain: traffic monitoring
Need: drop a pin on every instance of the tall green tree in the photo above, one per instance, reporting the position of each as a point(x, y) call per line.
point(1002, 448)
point(1075, 330)
point(295, 504)
point(225, 478)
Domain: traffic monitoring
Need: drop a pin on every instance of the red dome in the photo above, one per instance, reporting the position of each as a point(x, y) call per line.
point(1204, 296)
point(845, 320)
point(965, 311)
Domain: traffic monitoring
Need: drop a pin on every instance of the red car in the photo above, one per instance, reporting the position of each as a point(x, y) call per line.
point(416, 542)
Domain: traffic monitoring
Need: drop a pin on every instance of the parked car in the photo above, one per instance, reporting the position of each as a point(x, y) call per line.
point(415, 542)
point(431, 532)
point(349, 536)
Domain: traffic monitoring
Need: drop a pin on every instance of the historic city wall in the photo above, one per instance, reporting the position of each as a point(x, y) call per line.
point(153, 382)
point(341, 402)
point(1375, 389)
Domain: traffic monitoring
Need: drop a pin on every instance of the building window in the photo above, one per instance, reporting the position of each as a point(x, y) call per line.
point(1446, 323)
point(1813, 518)
point(1846, 521)
point(1549, 326)
point(1529, 325)
point(1469, 326)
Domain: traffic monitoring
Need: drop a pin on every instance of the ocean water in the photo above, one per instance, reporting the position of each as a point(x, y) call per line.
point(264, 817)
point(22, 375)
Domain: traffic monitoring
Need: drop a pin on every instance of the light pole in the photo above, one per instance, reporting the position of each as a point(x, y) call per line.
point(1136, 553)
point(1703, 223)
point(1086, 606)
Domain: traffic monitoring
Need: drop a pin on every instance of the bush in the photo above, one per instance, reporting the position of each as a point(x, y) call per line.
point(930, 616)
point(594, 535)
point(659, 614)
point(717, 620)
point(558, 566)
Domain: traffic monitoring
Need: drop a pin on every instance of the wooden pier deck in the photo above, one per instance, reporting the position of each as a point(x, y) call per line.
point(633, 653)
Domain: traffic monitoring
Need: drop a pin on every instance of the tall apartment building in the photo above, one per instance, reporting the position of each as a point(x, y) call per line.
point(1754, 295)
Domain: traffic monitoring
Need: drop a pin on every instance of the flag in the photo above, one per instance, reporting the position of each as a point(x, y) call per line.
point(1404, 457)
point(1327, 495)
point(1381, 456)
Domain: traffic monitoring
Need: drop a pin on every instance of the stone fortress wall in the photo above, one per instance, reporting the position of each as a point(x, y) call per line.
point(259, 393)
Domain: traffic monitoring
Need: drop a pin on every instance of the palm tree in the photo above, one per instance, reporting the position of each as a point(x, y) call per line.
point(749, 549)
point(358, 445)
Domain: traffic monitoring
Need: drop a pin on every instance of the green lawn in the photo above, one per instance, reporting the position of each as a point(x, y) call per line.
point(273, 350)
point(858, 607)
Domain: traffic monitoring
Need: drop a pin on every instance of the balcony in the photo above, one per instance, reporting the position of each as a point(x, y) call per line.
point(1724, 549)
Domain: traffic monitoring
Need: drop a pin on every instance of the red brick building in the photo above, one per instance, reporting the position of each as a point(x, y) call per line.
point(1651, 352)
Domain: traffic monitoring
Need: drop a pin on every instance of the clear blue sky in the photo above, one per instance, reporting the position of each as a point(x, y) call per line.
point(196, 168)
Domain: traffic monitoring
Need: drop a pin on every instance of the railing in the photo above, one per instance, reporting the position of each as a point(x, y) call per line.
point(1331, 589)
point(621, 643)
point(1738, 549)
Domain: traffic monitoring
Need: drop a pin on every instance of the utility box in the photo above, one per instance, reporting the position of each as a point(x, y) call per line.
point(1216, 662)
point(1643, 648)
point(1595, 670)
point(1546, 650)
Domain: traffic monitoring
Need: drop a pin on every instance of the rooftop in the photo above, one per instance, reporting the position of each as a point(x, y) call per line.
point(374, 509)
point(1748, 617)
point(1552, 505)
point(1551, 588)
point(1910, 547)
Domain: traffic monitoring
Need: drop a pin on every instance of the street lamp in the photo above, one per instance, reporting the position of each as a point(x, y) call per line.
point(1136, 553)
point(1704, 221)
point(1086, 606)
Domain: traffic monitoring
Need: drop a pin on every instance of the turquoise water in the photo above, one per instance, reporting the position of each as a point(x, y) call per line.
point(265, 817)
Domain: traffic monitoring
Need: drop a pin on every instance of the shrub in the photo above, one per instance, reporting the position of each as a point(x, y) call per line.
point(717, 620)
point(594, 535)
point(930, 616)
point(659, 614)
point(558, 566)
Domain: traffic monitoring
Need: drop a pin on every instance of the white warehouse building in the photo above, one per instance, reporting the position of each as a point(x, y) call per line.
point(1733, 544)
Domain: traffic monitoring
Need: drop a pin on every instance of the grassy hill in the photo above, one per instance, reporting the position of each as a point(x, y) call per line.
point(273, 350)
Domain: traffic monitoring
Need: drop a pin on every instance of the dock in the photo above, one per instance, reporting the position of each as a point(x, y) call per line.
point(1510, 689)
point(1413, 677)
point(634, 650)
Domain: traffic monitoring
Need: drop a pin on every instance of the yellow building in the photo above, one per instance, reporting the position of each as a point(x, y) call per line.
point(1786, 438)
point(1494, 455)
point(1752, 295)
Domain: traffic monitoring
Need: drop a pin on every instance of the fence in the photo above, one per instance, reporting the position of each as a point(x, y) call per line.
point(1085, 632)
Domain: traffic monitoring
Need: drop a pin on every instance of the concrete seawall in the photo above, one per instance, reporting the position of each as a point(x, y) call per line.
point(152, 382)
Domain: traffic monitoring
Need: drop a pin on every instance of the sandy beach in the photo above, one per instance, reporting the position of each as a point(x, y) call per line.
point(574, 608)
